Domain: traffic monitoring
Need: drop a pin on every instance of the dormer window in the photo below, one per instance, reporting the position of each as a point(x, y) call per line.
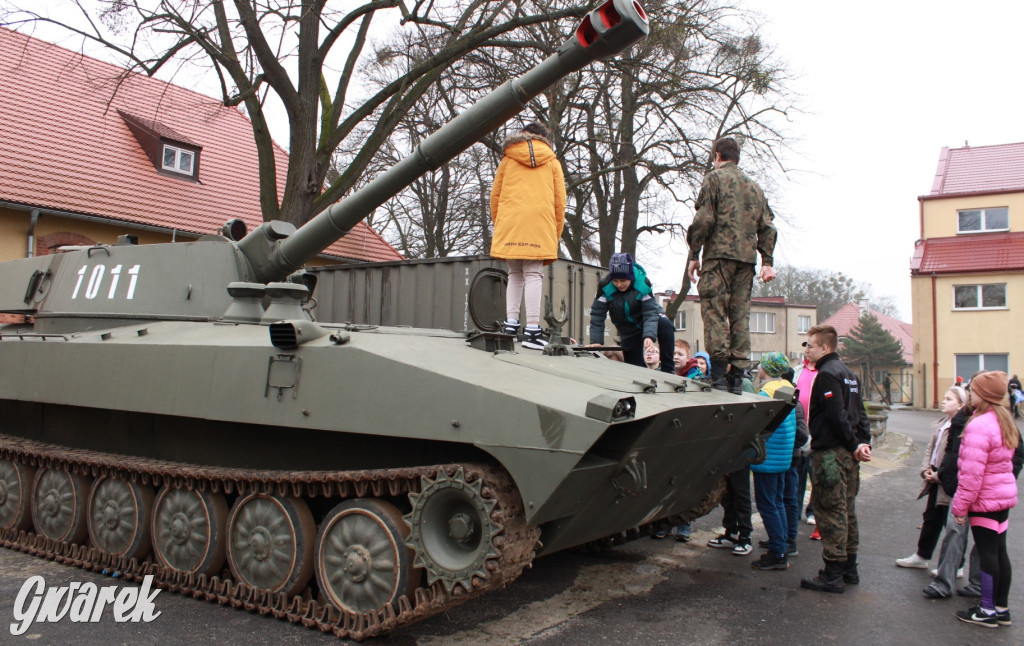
point(171, 153)
point(178, 160)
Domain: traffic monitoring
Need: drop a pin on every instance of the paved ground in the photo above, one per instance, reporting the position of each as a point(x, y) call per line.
point(647, 592)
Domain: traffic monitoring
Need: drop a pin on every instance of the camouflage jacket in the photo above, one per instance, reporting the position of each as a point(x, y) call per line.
point(733, 219)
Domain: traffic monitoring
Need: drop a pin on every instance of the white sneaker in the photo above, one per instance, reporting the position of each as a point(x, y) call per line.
point(935, 573)
point(810, 520)
point(914, 561)
point(960, 573)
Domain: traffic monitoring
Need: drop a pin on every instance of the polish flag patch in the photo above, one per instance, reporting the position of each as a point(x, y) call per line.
point(828, 394)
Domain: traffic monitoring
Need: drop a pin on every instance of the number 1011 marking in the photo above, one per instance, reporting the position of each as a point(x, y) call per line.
point(92, 288)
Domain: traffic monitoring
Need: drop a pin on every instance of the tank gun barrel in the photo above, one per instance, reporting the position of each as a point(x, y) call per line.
point(605, 31)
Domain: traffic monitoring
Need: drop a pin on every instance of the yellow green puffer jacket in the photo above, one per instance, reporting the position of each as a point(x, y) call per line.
point(528, 201)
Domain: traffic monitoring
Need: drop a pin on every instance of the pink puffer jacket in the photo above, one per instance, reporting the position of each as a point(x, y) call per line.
point(986, 481)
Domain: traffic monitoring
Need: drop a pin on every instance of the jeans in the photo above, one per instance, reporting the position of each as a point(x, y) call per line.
point(951, 558)
point(789, 497)
point(768, 492)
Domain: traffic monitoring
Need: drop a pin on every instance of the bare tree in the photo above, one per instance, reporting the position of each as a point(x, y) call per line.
point(303, 54)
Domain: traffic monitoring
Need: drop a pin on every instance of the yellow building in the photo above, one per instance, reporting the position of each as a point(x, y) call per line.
point(967, 272)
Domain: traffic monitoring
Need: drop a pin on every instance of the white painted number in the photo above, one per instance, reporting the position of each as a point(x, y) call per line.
point(92, 288)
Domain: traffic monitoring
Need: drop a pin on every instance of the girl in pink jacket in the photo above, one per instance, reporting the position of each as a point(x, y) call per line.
point(986, 492)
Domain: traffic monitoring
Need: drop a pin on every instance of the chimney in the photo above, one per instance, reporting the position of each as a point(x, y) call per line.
point(863, 304)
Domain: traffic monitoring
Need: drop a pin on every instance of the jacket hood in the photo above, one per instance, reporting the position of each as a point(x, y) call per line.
point(518, 145)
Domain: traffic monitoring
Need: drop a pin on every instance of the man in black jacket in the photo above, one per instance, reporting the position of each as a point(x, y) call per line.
point(840, 441)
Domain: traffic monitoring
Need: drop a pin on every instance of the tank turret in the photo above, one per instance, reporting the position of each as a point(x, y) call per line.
point(173, 410)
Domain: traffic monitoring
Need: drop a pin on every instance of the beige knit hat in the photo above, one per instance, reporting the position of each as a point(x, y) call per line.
point(990, 386)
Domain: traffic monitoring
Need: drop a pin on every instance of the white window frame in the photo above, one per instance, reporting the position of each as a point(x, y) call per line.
point(680, 322)
point(769, 322)
point(179, 155)
point(984, 219)
point(800, 320)
point(979, 293)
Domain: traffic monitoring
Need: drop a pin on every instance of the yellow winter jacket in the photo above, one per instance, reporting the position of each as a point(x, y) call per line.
point(528, 201)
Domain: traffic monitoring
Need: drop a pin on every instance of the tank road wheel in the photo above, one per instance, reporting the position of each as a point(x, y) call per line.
point(15, 495)
point(188, 530)
point(119, 517)
point(58, 505)
point(452, 531)
point(270, 542)
point(362, 560)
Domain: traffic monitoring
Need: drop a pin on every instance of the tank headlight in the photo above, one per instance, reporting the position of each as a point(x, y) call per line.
point(609, 407)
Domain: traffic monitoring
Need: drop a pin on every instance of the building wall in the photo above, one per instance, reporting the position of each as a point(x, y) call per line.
point(795, 338)
point(940, 219)
point(959, 331)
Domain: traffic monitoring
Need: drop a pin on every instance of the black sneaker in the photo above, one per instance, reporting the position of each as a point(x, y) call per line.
point(1003, 617)
point(660, 534)
point(727, 541)
point(968, 591)
point(770, 561)
point(533, 338)
point(791, 549)
point(510, 327)
point(978, 616)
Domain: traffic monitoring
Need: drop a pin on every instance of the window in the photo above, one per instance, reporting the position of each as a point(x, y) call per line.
point(968, 364)
point(978, 220)
point(680, 321)
point(762, 322)
point(755, 356)
point(178, 160)
point(803, 323)
point(979, 297)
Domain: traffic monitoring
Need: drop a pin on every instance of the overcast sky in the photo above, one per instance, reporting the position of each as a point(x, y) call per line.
point(884, 86)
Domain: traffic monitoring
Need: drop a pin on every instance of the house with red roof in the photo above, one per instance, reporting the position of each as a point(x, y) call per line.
point(847, 318)
point(967, 270)
point(88, 152)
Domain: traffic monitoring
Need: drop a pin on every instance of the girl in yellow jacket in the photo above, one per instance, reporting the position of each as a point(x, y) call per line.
point(528, 211)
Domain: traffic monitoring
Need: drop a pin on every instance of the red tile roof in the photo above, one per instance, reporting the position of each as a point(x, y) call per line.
point(981, 169)
point(969, 253)
point(63, 146)
point(848, 317)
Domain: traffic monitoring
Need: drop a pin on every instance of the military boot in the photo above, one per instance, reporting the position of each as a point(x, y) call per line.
point(829, 579)
point(850, 574)
point(735, 380)
point(719, 373)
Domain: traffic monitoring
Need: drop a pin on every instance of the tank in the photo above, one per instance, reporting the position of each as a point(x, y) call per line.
point(176, 410)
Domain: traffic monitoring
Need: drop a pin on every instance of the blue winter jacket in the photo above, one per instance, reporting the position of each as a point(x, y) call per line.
point(780, 443)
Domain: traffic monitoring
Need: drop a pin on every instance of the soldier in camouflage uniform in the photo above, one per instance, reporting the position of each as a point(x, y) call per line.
point(732, 224)
point(840, 441)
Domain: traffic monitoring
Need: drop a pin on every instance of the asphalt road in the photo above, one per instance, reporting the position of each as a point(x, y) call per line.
point(646, 592)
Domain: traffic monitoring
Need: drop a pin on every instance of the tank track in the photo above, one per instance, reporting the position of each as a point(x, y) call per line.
point(516, 542)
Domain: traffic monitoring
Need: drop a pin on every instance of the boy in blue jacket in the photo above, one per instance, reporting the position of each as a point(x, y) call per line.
point(770, 475)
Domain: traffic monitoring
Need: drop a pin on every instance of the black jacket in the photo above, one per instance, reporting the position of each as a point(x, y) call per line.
point(836, 413)
point(948, 469)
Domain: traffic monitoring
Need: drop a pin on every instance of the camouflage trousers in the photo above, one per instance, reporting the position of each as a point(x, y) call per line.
point(835, 501)
point(724, 290)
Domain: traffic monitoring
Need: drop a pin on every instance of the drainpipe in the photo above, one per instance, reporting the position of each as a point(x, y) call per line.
point(33, 220)
point(935, 350)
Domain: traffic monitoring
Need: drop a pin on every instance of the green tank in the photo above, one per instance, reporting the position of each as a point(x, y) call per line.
point(176, 410)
